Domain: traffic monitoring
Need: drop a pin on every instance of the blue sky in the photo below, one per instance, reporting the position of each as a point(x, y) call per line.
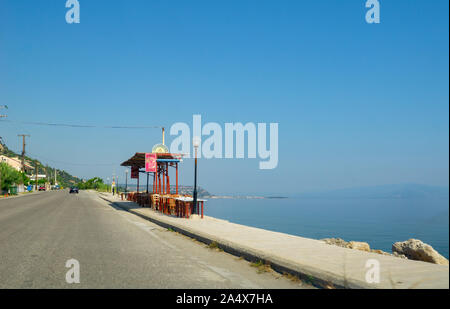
point(357, 104)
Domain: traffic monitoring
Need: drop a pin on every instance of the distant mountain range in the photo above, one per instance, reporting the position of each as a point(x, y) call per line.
point(400, 191)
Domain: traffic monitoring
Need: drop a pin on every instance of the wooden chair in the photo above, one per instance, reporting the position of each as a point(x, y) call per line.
point(155, 201)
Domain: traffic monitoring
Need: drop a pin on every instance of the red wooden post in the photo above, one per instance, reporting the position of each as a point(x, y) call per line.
point(159, 182)
point(176, 168)
point(168, 185)
point(163, 181)
point(167, 177)
point(156, 178)
point(202, 209)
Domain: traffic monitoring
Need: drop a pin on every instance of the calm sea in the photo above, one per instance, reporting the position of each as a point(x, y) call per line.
point(380, 222)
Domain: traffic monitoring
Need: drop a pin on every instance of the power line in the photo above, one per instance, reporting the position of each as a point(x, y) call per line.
point(81, 125)
point(41, 158)
point(72, 163)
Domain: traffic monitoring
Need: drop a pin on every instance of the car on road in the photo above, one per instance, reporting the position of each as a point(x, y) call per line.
point(41, 188)
point(73, 190)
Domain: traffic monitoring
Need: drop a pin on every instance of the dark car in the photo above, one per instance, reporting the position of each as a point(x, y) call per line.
point(41, 188)
point(73, 190)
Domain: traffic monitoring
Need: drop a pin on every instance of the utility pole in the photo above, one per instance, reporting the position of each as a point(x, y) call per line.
point(126, 182)
point(2, 116)
point(36, 179)
point(23, 150)
point(113, 182)
point(1, 145)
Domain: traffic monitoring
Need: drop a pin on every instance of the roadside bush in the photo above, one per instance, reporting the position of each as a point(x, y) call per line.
point(9, 176)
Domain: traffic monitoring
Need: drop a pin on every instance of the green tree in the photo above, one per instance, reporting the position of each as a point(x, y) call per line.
point(95, 183)
point(9, 176)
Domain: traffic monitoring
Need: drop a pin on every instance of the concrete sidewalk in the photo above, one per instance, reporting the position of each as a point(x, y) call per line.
point(324, 265)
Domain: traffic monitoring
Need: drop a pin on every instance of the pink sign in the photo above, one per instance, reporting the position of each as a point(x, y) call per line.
point(150, 162)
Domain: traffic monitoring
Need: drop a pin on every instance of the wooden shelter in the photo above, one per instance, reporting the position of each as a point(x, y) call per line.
point(161, 178)
point(161, 198)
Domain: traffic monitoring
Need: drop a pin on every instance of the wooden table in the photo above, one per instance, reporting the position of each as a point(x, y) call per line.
point(185, 206)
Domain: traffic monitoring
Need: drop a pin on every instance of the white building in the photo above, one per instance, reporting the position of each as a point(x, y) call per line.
point(16, 163)
point(40, 176)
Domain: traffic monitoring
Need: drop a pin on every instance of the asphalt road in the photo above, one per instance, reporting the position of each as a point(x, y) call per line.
point(115, 249)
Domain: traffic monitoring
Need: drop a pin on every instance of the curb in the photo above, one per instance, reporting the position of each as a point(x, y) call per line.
point(22, 195)
point(315, 277)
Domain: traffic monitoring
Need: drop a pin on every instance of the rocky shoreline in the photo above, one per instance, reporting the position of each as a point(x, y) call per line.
point(412, 249)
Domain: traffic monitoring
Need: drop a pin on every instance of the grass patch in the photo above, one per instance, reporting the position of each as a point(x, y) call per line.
point(261, 267)
point(309, 279)
point(215, 246)
point(292, 277)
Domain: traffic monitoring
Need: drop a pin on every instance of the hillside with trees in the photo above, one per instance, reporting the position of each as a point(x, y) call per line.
point(63, 178)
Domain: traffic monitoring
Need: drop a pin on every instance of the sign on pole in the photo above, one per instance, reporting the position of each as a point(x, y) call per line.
point(150, 162)
point(134, 172)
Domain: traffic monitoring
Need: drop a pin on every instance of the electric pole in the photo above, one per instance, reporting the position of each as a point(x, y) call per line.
point(36, 180)
point(23, 150)
point(2, 116)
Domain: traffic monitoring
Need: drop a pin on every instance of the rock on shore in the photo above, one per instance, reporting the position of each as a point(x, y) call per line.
point(415, 249)
point(335, 241)
point(412, 249)
point(357, 245)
